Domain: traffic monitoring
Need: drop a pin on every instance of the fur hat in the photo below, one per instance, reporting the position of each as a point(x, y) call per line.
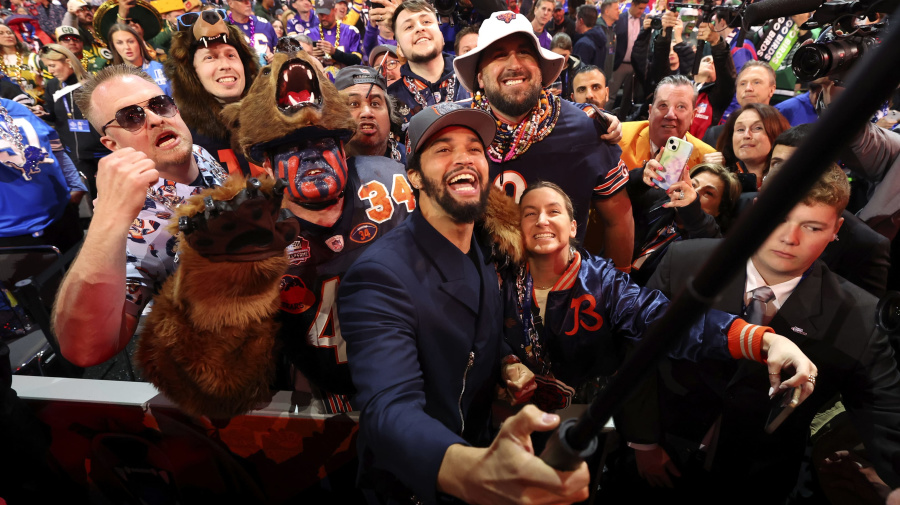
point(278, 110)
point(199, 109)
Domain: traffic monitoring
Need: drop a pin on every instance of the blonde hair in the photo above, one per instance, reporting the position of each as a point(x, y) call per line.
point(57, 52)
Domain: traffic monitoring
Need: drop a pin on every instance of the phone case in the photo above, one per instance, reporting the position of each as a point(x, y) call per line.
point(782, 406)
point(675, 156)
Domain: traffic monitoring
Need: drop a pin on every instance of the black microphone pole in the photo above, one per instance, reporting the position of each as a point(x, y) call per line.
point(871, 82)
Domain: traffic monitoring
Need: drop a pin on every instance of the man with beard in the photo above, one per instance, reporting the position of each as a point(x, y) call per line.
point(427, 78)
point(372, 108)
point(589, 86)
point(336, 44)
point(70, 38)
point(85, 18)
point(421, 314)
point(151, 149)
point(541, 137)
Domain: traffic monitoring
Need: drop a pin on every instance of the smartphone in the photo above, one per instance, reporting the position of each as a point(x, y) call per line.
point(782, 405)
point(892, 115)
point(674, 158)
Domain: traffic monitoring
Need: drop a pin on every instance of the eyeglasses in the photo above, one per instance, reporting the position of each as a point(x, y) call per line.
point(187, 20)
point(133, 117)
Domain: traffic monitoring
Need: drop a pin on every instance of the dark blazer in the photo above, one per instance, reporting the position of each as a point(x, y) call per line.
point(622, 37)
point(422, 323)
point(832, 321)
point(860, 254)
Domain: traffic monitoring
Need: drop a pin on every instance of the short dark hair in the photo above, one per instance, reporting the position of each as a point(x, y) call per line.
point(605, 4)
point(462, 33)
point(585, 69)
point(412, 6)
point(792, 137)
point(587, 13)
point(730, 195)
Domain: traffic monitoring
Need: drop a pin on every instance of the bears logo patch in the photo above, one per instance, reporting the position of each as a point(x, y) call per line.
point(295, 297)
point(364, 232)
point(506, 17)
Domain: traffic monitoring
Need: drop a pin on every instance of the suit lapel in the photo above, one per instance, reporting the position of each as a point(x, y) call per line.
point(448, 260)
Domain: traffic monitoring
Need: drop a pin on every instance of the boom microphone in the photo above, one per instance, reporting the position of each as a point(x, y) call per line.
point(758, 13)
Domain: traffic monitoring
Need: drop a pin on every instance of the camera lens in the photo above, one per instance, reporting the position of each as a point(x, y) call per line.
point(887, 315)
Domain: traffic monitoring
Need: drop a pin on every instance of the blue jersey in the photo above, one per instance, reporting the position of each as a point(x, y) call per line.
point(155, 70)
point(377, 199)
point(572, 157)
point(29, 199)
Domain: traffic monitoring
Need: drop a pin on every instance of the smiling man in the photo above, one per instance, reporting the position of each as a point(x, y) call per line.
point(671, 115)
point(427, 77)
point(420, 310)
point(540, 136)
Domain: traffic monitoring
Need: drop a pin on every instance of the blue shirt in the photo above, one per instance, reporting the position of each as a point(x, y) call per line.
point(31, 200)
point(798, 110)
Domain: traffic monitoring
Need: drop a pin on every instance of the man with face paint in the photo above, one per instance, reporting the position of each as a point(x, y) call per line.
point(341, 205)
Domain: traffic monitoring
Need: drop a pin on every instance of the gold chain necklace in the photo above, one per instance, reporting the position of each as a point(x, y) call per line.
point(337, 33)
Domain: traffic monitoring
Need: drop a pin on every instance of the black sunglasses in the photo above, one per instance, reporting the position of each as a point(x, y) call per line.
point(47, 49)
point(133, 117)
point(187, 20)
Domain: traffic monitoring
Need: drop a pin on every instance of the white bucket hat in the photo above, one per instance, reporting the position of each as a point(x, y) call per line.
point(499, 25)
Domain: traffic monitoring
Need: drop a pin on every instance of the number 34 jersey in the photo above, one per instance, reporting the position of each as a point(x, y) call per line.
point(378, 197)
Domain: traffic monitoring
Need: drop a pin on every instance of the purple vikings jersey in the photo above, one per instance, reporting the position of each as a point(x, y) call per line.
point(378, 198)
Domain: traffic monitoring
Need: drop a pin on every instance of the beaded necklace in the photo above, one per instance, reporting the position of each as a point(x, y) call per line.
point(252, 27)
point(33, 155)
point(513, 141)
point(417, 88)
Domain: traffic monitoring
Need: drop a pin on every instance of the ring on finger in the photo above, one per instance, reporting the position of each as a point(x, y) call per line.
point(681, 195)
point(811, 379)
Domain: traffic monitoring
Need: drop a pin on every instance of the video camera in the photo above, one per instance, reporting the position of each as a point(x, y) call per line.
point(730, 13)
point(841, 42)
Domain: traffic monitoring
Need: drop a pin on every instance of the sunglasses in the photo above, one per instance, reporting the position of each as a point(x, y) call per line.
point(48, 50)
point(133, 117)
point(187, 20)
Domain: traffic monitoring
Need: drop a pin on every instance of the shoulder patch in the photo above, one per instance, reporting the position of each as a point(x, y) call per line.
point(364, 232)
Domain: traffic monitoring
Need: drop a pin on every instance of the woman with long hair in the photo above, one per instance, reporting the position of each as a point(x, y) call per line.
point(746, 142)
point(20, 64)
point(76, 133)
point(128, 47)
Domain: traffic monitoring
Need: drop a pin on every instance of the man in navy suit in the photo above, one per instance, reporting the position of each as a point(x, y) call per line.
point(627, 29)
point(420, 311)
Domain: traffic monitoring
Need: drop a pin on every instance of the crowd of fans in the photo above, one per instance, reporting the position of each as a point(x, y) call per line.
point(566, 107)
